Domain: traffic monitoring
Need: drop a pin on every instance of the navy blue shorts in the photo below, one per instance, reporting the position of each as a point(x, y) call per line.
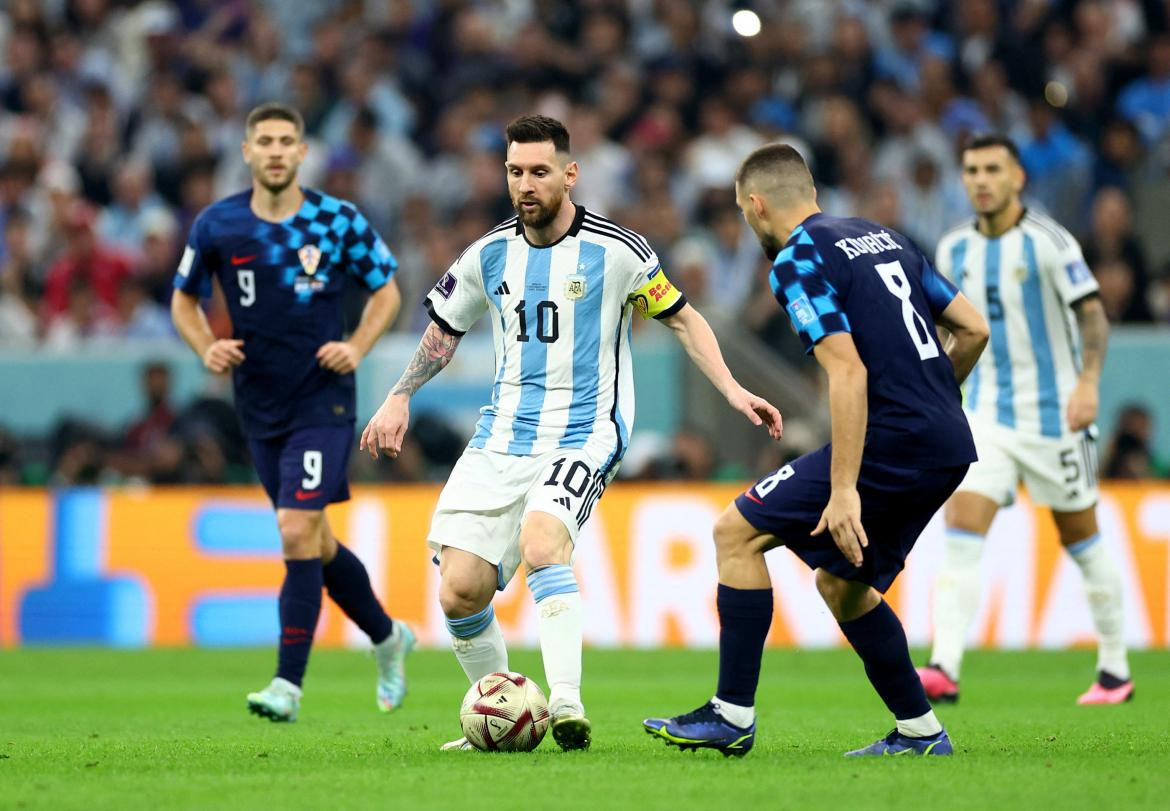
point(306, 468)
point(896, 505)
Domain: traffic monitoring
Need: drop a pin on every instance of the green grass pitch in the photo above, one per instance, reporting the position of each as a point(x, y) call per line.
point(166, 729)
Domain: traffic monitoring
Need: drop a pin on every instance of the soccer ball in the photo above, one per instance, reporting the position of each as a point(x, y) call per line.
point(504, 712)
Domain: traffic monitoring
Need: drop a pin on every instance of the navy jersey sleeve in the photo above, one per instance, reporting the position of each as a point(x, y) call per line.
point(800, 282)
point(193, 275)
point(368, 257)
point(939, 290)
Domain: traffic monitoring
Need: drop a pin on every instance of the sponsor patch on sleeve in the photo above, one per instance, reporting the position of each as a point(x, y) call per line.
point(802, 311)
point(446, 285)
point(1078, 272)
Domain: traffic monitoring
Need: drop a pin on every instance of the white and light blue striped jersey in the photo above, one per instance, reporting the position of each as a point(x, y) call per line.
point(561, 317)
point(1025, 282)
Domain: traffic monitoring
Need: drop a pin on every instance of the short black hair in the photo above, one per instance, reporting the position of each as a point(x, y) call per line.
point(780, 170)
point(989, 140)
point(536, 129)
point(275, 110)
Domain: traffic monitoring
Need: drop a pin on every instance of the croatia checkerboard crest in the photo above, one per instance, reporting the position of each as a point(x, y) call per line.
point(310, 256)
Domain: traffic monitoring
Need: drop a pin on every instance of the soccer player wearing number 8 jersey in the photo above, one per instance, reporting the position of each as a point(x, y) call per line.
point(283, 256)
point(1032, 402)
point(559, 285)
point(864, 302)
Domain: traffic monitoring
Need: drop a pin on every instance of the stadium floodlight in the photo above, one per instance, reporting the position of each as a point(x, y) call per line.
point(746, 22)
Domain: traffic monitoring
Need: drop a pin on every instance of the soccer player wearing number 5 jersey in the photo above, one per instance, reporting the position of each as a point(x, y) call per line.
point(559, 285)
point(1032, 402)
point(864, 301)
point(283, 256)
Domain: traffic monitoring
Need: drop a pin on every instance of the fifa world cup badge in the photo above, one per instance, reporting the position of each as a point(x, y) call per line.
point(310, 256)
point(574, 286)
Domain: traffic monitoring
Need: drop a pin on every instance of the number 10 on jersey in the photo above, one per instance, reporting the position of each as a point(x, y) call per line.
point(548, 324)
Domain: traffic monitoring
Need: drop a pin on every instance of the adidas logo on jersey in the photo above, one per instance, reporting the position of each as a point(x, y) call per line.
point(502, 290)
point(563, 501)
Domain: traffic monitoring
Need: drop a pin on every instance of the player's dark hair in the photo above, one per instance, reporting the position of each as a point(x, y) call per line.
point(274, 110)
point(989, 140)
point(782, 165)
point(536, 129)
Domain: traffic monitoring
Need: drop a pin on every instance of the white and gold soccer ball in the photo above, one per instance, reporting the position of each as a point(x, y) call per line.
point(504, 712)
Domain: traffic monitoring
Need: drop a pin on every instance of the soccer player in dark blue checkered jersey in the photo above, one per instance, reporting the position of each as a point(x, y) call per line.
point(864, 301)
point(283, 255)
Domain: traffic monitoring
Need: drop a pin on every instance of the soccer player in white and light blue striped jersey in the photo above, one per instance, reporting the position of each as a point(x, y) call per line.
point(1031, 402)
point(559, 285)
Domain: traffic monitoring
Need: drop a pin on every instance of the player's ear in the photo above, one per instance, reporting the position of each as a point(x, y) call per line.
point(1019, 179)
point(759, 205)
point(571, 175)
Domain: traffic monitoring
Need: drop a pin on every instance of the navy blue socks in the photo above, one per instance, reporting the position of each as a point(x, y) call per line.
point(745, 615)
point(348, 584)
point(300, 605)
point(880, 641)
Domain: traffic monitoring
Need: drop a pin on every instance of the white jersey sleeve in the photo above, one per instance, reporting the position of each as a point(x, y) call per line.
point(458, 299)
point(1069, 273)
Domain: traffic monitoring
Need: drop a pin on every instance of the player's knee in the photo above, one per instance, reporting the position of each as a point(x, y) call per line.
point(300, 533)
point(461, 595)
point(545, 543)
point(732, 533)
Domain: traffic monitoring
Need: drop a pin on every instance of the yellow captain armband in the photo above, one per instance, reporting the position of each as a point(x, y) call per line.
point(657, 297)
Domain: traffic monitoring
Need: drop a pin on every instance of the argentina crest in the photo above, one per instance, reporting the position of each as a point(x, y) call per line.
point(310, 256)
point(574, 286)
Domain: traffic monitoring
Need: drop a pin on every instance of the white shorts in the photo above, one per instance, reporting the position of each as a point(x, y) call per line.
point(489, 493)
point(1059, 473)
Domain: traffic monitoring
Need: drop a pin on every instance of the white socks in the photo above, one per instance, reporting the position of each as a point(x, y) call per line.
point(956, 598)
point(924, 726)
point(478, 644)
point(558, 604)
point(741, 717)
point(1103, 591)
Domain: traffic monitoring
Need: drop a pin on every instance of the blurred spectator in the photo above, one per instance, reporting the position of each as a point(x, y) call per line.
point(19, 283)
point(1112, 245)
point(86, 263)
point(1129, 455)
point(1057, 163)
point(911, 43)
point(122, 224)
point(1146, 101)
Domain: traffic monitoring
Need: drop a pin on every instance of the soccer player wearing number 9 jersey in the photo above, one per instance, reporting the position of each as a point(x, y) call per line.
point(864, 301)
point(559, 285)
point(283, 255)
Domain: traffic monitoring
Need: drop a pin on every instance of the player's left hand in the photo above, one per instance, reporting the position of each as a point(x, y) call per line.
point(339, 356)
point(758, 411)
point(842, 517)
point(1082, 406)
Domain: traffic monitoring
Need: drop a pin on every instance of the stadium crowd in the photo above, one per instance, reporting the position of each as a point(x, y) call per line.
point(122, 120)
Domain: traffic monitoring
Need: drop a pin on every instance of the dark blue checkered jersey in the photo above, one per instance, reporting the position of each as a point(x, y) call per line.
point(284, 282)
point(852, 275)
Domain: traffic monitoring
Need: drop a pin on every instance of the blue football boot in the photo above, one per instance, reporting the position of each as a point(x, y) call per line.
point(703, 728)
point(898, 744)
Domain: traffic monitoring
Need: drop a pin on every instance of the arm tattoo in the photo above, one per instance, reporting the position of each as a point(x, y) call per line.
point(1094, 327)
point(435, 351)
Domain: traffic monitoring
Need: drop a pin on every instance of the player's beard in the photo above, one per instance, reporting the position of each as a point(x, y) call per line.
point(771, 245)
point(290, 177)
point(542, 216)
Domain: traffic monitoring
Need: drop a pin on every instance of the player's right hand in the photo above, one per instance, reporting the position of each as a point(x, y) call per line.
point(387, 427)
point(842, 517)
point(222, 355)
